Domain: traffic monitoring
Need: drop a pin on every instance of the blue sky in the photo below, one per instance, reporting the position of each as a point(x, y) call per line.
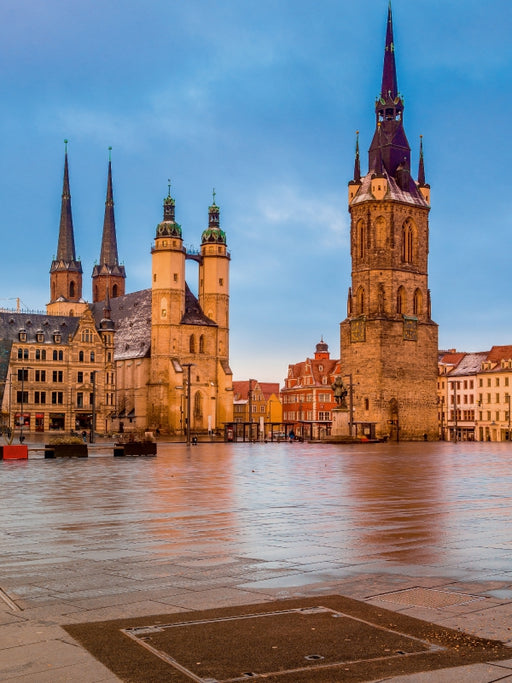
point(261, 100)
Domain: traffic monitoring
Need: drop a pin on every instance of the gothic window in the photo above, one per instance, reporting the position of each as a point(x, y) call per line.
point(115, 291)
point(400, 300)
point(360, 301)
point(408, 242)
point(71, 289)
point(192, 344)
point(380, 233)
point(201, 344)
point(198, 406)
point(360, 239)
point(417, 306)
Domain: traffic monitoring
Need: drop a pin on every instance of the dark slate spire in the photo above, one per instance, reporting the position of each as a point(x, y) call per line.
point(389, 88)
point(389, 145)
point(357, 162)
point(421, 167)
point(108, 254)
point(66, 245)
point(107, 275)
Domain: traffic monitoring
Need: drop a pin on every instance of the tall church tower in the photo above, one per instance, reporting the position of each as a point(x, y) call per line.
point(214, 277)
point(66, 270)
point(388, 340)
point(167, 310)
point(108, 276)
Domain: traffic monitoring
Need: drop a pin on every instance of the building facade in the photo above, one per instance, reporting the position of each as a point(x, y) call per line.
point(261, 400)
point(153, 359)
point(475, 395)
point(307, 397)
point(388, 339)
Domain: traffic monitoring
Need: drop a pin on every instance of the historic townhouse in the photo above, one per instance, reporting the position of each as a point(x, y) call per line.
point(307, 396)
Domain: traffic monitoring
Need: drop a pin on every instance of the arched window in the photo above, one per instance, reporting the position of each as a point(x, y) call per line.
point(360, 301)
point(408, 242)
point(201, 344)
point(115, 291)
point(417, 304)
point(92, 356)
point(192, 344)
point(80, 356)
point(380, 233)
point(360, 239)
point(71, 290)
point(198, 406)
point(400, 300)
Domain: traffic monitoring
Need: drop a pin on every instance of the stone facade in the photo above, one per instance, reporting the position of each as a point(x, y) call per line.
point(388, 340)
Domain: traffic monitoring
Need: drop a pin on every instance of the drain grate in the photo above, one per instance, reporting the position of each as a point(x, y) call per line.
point(428, 597)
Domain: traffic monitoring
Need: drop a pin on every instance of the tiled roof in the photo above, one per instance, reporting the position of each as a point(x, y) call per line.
point(499, 353)
point(470, 364)
point(131, 315)
point(394, 192)
point(11, 323)
point(193, 314)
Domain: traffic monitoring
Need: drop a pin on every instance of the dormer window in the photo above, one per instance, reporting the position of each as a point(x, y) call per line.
point(57, 337)
point(39, 336)
point(22, 335)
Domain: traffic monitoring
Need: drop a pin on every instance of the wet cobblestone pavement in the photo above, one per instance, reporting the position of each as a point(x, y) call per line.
point(409, 527)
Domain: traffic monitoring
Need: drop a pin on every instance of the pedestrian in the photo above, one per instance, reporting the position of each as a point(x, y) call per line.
point(84, 436)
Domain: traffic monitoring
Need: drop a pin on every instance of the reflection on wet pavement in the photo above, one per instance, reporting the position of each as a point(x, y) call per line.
point(310, 508)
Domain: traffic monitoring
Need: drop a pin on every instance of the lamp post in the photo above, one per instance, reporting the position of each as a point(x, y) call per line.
point(188, 366)
point(250, 408)
point(350, 406)
point(509, 397)
point(455, 423)
point(93, 425)
point(23, 370)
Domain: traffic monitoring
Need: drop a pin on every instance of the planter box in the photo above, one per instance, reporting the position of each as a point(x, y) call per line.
point(65, 450)
point(14, 452)
point(134, 448)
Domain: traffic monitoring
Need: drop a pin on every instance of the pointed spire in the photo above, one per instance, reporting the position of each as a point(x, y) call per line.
point(389, 148)
point(108, 254)
point(421, 168)
point(357, 162)
point(389, 88)
point(66, 244)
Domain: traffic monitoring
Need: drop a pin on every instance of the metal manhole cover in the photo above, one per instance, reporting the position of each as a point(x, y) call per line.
point(288, 641)
point(428, 597)
point(235, 648)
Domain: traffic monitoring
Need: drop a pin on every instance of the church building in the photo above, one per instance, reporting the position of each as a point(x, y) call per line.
point(388, 339)
point(147, 360)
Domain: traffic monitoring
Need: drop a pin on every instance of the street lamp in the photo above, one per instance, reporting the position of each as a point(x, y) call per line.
point(188, 366)
point(23, 370)
point(350, 406)
point(93, 420)
point(250, 407)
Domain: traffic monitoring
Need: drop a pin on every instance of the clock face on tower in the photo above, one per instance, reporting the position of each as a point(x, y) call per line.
point(358, 330)
point(410, 329)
